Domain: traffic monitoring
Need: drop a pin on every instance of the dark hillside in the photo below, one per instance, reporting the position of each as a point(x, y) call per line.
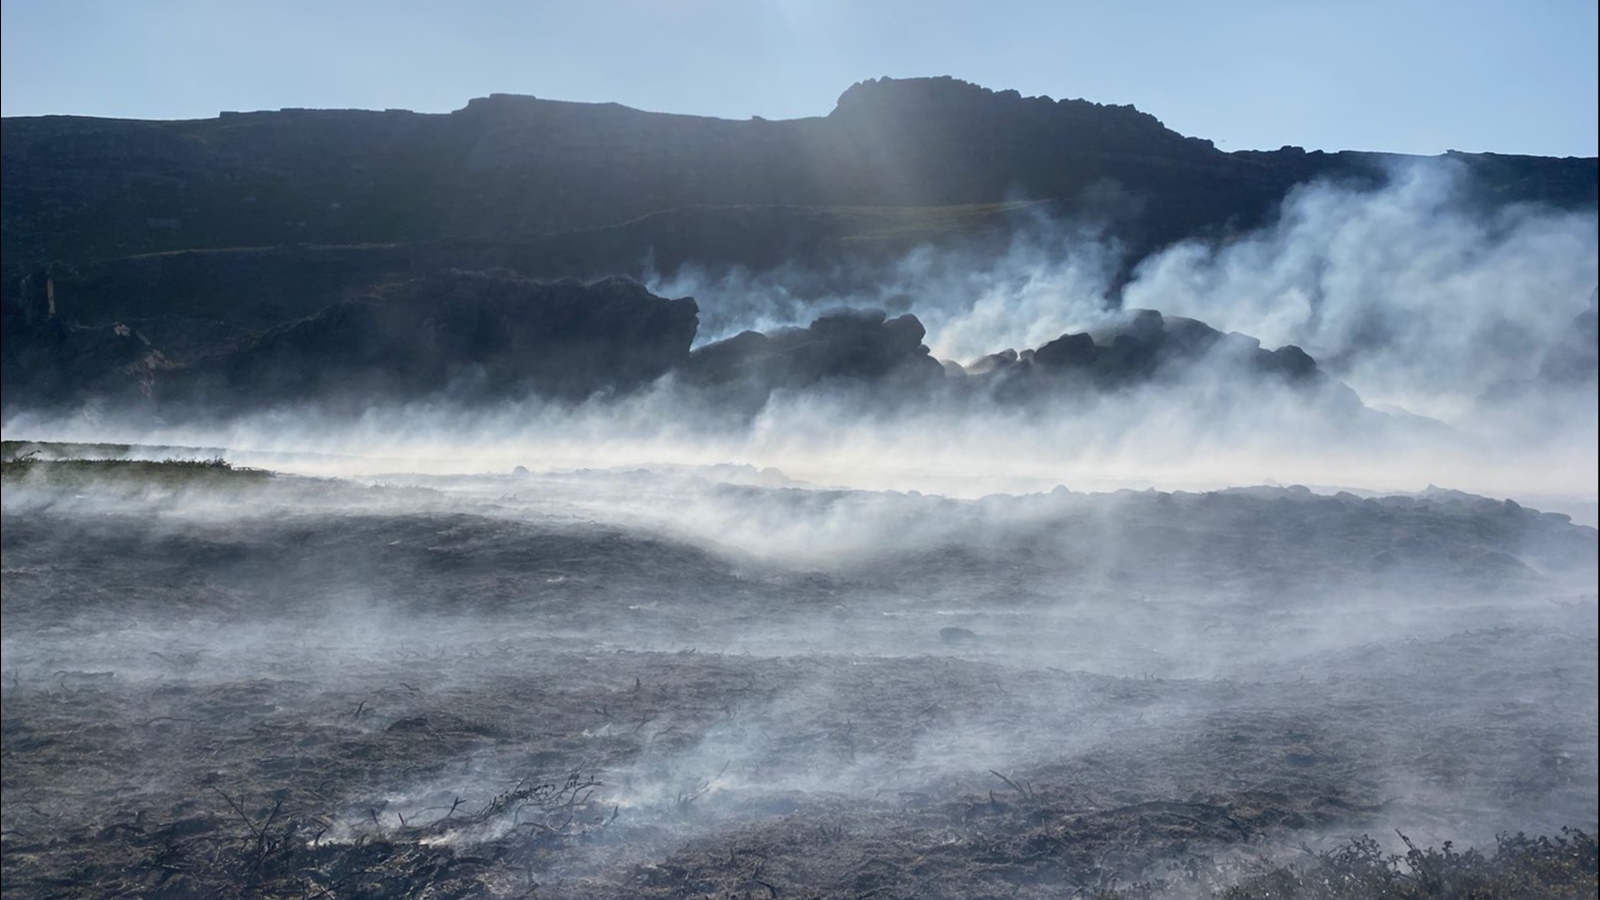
point(150, 245)
point(510, 168)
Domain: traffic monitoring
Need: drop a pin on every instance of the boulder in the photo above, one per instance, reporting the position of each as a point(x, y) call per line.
point(994, 362)
point(848, 346)
point(1069, 350)
point(1140, 346)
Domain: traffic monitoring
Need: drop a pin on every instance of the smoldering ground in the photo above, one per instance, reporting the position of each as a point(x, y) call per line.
point(489, 683)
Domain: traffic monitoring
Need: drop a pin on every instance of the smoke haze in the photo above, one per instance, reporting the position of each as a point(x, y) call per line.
point(853, 638)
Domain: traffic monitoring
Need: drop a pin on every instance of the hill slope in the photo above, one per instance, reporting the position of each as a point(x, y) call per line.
point(514, 168)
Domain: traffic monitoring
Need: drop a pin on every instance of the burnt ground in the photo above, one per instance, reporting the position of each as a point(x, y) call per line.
point(649, 685)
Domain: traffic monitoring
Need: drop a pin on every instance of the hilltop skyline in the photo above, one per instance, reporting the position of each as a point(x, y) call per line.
point(1483, 77)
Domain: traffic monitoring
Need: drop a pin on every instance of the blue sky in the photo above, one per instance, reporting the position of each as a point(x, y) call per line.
point(1419, 76)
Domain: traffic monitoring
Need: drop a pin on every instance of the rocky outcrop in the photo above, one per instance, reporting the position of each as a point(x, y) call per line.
point(46, 362)
point(844, 347)
point(865, 348)
point(471, 336)
point(476, 337)
point(1143, 346)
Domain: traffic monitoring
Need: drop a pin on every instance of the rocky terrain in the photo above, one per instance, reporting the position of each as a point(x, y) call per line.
point(199, 236)
point(476, 337)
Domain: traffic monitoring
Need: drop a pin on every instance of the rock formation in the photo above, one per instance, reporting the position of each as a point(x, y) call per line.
point(1143, 346)
point(845, 346)
point(474, 336)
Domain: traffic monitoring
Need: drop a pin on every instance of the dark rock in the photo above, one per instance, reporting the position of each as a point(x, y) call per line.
point(479, 335)
point(952, 635)
point(1075, 350)
point(1288, 361)
point(1142, 346)
point(1190, 337)
point(1576, 359)
point(850, 346)
point(994, 362)
point(44, 361)
point(728, 360)
point(1239, 344)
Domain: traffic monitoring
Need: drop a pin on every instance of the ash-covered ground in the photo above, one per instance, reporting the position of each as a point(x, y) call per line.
point(713, 681)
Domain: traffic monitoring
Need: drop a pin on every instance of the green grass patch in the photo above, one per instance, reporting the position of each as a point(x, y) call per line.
point(59, 450)
point(169, 473)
